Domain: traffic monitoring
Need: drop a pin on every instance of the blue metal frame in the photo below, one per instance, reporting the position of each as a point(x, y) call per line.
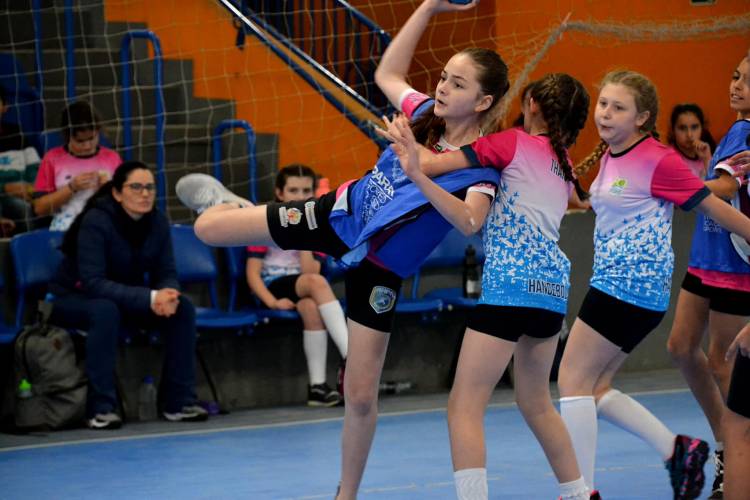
point(70, 70)
point(161, 177)
point(251, 165)
point(250, 25)
point(36, 6)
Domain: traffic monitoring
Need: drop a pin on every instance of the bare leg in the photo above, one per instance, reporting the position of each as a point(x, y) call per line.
point(736, 456)
point(316, 287)
point(367, 348)
point(722, 330)
point(308, 311)
point(684, 344)
point(481, 363)
point(228, 225)
point(533, 363)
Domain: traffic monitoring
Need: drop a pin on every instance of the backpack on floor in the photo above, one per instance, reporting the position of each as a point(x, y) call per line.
point(50, 381)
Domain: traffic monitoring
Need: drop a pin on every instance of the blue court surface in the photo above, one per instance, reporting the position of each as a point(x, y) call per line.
point(410, 459)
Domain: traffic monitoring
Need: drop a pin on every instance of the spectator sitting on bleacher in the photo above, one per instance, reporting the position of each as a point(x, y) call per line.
point(290, 279)
point(71, 173)
point(19, 163)
point(117, 240)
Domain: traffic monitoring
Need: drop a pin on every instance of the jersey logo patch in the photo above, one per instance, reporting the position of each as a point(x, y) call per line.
point(382, 299)
point(294, 215)
point(618, 186)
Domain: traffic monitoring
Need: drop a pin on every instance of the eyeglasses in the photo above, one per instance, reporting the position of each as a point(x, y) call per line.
point(138, 187)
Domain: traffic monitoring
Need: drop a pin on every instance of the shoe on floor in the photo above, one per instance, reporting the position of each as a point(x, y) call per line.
point(322, 395)
point(686, 467)
point(200, 191)
point(188, 413)
point(717, 490)
point(100, 421)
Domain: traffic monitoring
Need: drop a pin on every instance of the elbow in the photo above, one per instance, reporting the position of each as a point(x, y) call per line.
point(38, 206)
point(470, 226)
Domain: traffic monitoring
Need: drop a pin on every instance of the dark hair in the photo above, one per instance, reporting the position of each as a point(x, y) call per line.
point(118, 180)
point(681, 109)
point(492, 75)
point(564, 104)
point(294, 170)
point(79, 116)
point(518, 122)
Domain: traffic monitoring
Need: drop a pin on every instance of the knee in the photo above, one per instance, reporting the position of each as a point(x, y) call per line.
point(185, 309)
point(678, 349)
point(103, 312)
point(307, 307)
point(601, 389)
point(360, 399)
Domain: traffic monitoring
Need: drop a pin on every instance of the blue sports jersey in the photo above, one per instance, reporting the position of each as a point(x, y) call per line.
point(711, 248)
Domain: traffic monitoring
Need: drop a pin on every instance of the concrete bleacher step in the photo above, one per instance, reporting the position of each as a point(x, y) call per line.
point(88, 25)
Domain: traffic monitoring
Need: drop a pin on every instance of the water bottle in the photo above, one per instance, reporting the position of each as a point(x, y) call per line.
point(147, 400)
point(24, 389)
point(393, 387)
point(472, 285)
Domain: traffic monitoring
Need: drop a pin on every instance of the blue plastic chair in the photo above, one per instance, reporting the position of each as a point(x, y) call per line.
point(195, 263)
point(450, 255)
point(36, 257)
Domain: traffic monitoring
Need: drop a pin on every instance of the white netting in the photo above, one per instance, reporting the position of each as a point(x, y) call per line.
point(210, 75)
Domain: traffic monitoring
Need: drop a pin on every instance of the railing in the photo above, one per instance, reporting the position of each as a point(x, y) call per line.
point(251, 165)
point(332, 29)
point(161, 178)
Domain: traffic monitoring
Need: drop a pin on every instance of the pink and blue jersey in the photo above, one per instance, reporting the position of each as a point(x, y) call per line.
point(712, 256)
point(634, 196)
point(695, 164)
point(524, 265)
point(57, 170)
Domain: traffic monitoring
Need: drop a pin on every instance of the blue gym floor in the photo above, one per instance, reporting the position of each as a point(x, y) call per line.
point(300, 460)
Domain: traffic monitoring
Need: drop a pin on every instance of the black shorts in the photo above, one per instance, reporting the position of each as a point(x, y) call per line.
point(723, 300)
point(284, 287)
point(510, 322)
point(304, 225)
point(623, 324)
point(371, 295)
point(739, 388)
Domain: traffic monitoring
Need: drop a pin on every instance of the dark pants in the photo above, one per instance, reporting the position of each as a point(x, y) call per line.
point(103, 320)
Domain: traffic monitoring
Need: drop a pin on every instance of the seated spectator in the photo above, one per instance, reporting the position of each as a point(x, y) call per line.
point(71, 173)
point(290, 279)
point(690, 137)
point(112, 244)
point(19, 163)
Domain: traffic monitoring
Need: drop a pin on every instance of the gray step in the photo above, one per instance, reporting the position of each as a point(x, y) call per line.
point(179, 105)
point(88, 26)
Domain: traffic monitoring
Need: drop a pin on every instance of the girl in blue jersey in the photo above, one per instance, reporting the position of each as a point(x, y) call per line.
point(380, 225)
point(716, 288)
point(639, 182)
point(526, 275)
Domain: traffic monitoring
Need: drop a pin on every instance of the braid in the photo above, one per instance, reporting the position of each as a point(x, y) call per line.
point(587, 163)
point(428, 128)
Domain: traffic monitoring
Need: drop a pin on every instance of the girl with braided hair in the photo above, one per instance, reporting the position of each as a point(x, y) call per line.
point(639, 182)
point(526, 275)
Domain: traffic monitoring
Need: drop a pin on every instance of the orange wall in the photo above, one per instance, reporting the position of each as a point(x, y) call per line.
point(268, 95)
point(273, 99)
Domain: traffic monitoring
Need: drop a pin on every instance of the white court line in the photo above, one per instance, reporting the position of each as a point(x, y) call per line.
point(199, 432)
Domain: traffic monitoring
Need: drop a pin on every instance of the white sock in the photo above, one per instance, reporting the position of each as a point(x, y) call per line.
point(719, 446)
point(574, 490)
point(628, 414)
point(471, 484)
point(579, 415)
point(335, 321)
point(315, 344)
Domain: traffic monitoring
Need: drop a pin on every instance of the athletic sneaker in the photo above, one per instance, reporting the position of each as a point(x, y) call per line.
point(109, 420)
point(188, 413)
point(593, 495)
point(717, 490)
point(322, 395)
point(686, 467)
point(200, 191)
point(340, 377)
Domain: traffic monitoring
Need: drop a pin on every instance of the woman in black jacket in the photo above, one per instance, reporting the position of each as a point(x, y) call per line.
point(118, 272)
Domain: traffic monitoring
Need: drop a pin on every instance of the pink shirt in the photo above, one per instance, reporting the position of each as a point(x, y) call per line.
point(695, 164)
point(58, 168)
